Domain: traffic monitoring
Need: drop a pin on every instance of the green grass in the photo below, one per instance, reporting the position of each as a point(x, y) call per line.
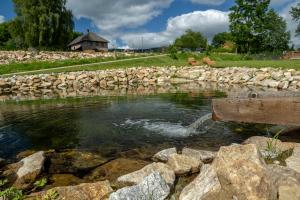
point(284, 64)
point(222, 60)
point(40, 65)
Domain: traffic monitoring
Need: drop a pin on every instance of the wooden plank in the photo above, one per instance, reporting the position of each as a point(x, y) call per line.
point(280, 110)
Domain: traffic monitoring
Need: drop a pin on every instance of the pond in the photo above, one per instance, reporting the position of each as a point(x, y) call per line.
point(112, 125)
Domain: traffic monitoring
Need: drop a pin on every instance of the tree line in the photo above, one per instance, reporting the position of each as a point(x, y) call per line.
point(38, 24)
point(254, 28)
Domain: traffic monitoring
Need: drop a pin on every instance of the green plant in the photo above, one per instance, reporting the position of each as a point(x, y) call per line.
point(40, 183)
point(272, 144)
point(3, 182)
point(11, 194)
point(50, 195)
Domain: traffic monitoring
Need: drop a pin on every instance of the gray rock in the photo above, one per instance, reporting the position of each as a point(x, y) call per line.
point(204, 156)
point(182, 164)
point(205, 186)
point(152, 187)
point(136, 177)
point(164, 154)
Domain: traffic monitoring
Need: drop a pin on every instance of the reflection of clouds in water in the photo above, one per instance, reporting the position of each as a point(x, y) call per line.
point(170, 129)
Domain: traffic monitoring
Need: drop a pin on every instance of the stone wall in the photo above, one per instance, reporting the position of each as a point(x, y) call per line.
point(119, 80)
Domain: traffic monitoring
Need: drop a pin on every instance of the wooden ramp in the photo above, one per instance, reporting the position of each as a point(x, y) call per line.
point(275, 110)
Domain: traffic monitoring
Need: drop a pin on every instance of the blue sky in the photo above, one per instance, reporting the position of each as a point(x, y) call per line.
point(157, 22)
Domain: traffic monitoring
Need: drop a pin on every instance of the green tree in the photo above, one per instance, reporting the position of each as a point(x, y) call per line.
point(295, 12)
point(42, 23)
point(4, 34)
point(247, 20)
point(276, 38)
point(191, 40)
point(221, 38)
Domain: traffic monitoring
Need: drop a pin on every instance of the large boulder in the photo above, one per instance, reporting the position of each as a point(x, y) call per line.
point(74, 161)
point(136, 177)
point(182, 164)
point(164, 154)
point(25, 172)
point(204, 156)
point(289, 193)
point(205, 186)
point(85, 191)
point(243, 173)
point(152, 187)
point(293, 161)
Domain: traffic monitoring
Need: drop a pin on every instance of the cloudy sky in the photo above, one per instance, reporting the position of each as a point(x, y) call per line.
point(153, 23)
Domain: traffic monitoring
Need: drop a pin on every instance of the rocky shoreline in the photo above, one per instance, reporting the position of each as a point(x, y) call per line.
point(239, 171)
point(123, 80)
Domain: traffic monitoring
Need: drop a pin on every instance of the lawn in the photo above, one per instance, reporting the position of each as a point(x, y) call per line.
point(284, 64)
point(39, 65)
point(222, 60)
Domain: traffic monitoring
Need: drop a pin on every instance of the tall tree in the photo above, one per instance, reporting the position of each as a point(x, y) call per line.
point(4, 33)
point(275, 36)
point(247, 19)
point(191, 40)
point(43, 23)
point(221, 38)
point(296, 16)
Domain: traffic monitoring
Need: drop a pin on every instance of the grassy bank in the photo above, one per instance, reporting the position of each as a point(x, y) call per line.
point(222, 60)
point(39, 65)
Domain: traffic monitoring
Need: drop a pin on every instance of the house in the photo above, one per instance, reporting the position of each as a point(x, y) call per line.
point(89, 41)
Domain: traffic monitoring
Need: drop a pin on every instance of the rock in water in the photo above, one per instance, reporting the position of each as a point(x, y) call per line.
point(85, 191)
point(153, 187)
point(205, 186)
point(243, 173)
point(204, 156)
point(182, 164)
point(74, 161)
point(136, 177)
point(27, 170)
point(164, 154)
point(293, 161)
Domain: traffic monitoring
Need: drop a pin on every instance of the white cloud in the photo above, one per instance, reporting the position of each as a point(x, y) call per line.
point(116, 14)
point(292, 25)
point(208, 2)
point(209, 23)
point(2, 19)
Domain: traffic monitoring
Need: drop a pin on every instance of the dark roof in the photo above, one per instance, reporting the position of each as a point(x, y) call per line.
point(88, 37)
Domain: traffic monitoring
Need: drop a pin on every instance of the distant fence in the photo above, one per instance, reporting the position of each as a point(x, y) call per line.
point(291, 55)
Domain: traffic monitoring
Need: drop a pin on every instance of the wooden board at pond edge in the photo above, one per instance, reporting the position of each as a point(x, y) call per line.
point(279, 110)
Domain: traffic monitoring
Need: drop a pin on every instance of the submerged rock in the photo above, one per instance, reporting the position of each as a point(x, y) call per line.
point(85, 191)
point(205, 186)
point(204, 156)
point(74, 162)
point(58, 180)
point(25, 172)
point(2, 162)
point(136, 177)
point(293, 161)
point(152, 187)
point(243, 173)
point(182, 164)
point(115, 168)
point(164, 154)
